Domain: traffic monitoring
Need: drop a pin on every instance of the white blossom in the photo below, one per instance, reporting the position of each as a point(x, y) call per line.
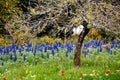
point(78, 30)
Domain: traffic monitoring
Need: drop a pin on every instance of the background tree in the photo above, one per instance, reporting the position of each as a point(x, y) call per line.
point(102, 15)
point(8, 8)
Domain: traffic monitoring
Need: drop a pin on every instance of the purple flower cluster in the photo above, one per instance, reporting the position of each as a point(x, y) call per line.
point(47, 49)
point(14, 51)
point(101, 45)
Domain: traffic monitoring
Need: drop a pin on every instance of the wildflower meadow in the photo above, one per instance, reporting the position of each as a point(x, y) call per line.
point(54, 61)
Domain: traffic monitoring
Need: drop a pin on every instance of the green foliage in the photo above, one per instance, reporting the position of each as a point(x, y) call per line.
point(8, 8)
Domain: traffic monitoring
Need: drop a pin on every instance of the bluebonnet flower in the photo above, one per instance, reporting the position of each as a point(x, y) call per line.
point(108, 50)
point(115, 46)
point(34, 51)
point(97, 43)
point(13, 45)
point(24, 57)
point(66, 53)
point(87, 44)
point(29, 44)
point(53, 52)
point(41, 45)
point(58, 44)
point(14, 51)
point(16, 47)
point(55, 47)
point(22, 47)
point(1, 50)
point(40, 49)
point(45, 49)
point(15, 58)
point(50, 47)
point(69, 47)
point(20, 50)
point(28, 49)
point(47, 43)
point(112, 44)
point(10, 56)
point(10, 48)
point(62, 45)
point(6, 50)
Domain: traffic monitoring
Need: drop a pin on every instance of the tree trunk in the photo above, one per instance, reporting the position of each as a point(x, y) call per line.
point(85, 31)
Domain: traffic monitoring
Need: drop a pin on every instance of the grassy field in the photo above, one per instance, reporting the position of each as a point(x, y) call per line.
point(95, 66)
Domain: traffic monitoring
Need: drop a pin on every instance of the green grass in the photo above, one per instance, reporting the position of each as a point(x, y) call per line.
point(93, 67)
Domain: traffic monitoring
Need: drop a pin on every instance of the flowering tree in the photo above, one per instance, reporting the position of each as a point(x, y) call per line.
point(57, 18)
point(103, 15)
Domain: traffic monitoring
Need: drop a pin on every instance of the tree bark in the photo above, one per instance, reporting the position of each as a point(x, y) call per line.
point(78, 49)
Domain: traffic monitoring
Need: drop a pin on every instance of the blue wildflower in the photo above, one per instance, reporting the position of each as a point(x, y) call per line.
point(16, 47)
point(24, 57)
point(13, 45)
point(47, 43)
point(34, 51)
point(1, 50)
point(53, 52)
point(40, 49)
point(50, 47)
point(29, 44)
point(108, 50)
point(45, 49)
point(66, 53)
point(15, 58)
point(10, 56)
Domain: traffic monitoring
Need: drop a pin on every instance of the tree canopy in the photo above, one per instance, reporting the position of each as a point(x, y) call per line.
point(56, 18)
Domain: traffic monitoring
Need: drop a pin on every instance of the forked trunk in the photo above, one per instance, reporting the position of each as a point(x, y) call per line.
point(78, 49)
